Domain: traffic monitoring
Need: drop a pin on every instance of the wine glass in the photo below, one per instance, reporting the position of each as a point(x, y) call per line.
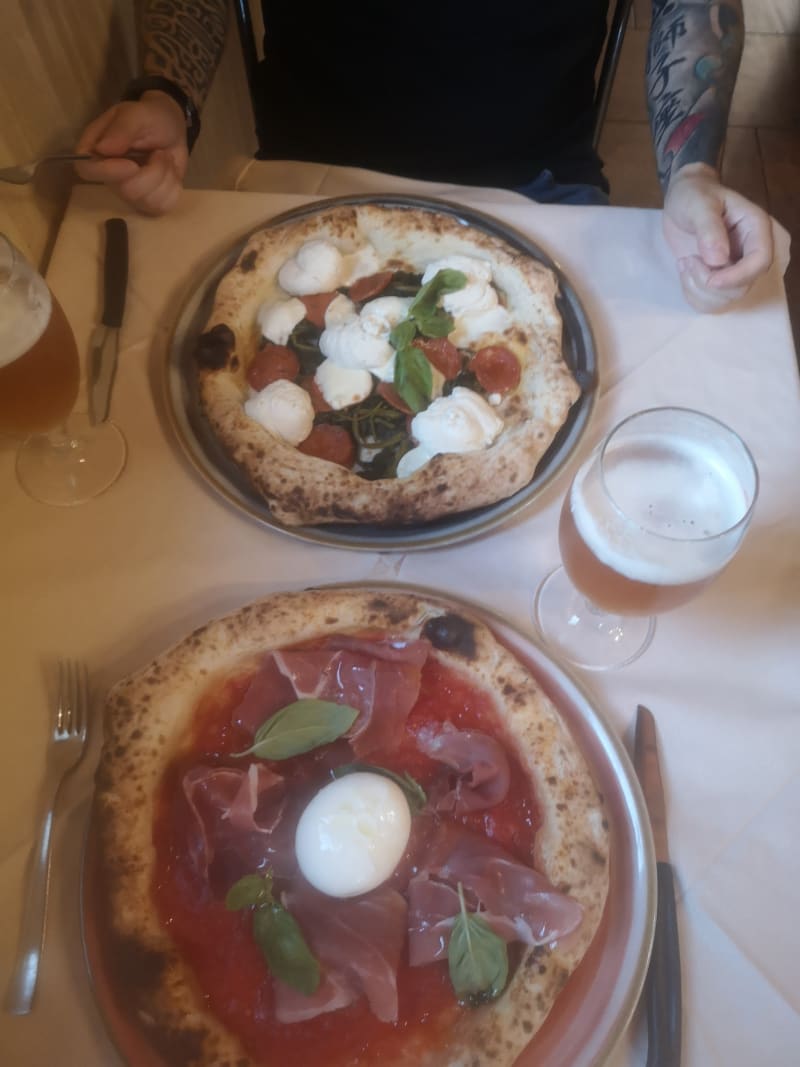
point(65, 459)
point(651, 517)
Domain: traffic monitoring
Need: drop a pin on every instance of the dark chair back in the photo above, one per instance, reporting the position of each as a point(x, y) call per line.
point(608, 68)
point(616, 33)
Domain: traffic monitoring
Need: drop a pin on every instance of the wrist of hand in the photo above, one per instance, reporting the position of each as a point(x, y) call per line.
point(169, 106)
point(695, 170)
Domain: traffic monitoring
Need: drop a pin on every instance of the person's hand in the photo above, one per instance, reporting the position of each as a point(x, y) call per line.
point(721, 240)
point(156, 125)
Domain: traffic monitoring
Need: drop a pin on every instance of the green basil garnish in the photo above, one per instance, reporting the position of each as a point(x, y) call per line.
point(250, 892)
point(403, 334)
point(300, 727)
point(415, 794)
point(276, 933)
point(413, 378)
point(477, 957)
point(443, 281)
point(285, 949)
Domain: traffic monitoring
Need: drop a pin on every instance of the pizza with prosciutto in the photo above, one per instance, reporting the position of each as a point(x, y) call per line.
point(343, 826)
point(367, 363)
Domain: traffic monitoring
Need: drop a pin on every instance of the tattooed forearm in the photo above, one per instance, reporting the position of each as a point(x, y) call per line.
point(182, 40)
point(692, 61)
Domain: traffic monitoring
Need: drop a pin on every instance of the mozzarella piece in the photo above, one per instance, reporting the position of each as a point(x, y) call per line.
point(362, 340)
point(379, 317)
point(340, 309)
point(474, 328)
point(276, 321)
point(476, 310)
point(352, 834)
point(283, 408)
point(319, 267)
point(460, 422)
point(315, 268)
point(412, 460)
point(342, 386)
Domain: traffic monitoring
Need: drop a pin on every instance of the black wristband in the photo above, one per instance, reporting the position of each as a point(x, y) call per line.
point(151, 82)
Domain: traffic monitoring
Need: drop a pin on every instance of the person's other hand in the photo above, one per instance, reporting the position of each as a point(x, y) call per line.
point(721, 241)
point(155, 125)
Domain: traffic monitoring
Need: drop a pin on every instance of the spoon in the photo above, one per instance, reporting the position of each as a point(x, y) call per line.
point(22, 174)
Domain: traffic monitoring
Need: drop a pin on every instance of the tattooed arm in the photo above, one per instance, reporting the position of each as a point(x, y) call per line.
point(181, 40)
point(721, 241)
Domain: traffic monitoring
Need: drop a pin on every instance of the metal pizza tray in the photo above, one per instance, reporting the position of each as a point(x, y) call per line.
point(597, 1005)
point(216, 468)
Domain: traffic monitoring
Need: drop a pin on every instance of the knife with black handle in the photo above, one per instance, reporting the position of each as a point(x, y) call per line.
point(662, 991)
point(105, 337)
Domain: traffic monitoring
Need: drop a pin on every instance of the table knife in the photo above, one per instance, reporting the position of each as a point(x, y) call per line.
point(662, 991)
point(105, 337)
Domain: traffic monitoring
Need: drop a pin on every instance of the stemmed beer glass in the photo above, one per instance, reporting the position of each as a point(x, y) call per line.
point(654, 515)
point(65, 459)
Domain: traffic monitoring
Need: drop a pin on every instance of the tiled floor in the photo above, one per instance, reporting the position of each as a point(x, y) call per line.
point(762, 155)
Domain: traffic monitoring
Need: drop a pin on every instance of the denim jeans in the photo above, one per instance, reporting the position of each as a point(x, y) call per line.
point(546, 190)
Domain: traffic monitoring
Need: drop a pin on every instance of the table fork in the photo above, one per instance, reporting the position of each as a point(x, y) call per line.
point(23, 173)
point(64, 751)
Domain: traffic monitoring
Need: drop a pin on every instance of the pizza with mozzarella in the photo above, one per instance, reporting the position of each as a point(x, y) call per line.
point(369, 363)
point(343, 826)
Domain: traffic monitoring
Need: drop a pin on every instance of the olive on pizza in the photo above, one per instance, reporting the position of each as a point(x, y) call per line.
point(383, 364)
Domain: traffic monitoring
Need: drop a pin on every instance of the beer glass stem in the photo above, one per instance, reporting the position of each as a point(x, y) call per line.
point(71, 463)
point(587, 636)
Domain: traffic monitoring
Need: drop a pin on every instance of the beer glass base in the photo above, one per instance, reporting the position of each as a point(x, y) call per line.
point(586, 636)
point(71, 466)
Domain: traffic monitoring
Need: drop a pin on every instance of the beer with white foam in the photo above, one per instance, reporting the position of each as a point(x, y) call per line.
point(39, 363)
point(657, 512)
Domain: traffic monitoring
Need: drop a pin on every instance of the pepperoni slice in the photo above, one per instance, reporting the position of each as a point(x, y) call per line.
point(442, 353)
point(271, 363)
point(366, 288)
point(496, 368)
point(317, 399)
point(316, 306)
point(391, 396)
point(333, 443)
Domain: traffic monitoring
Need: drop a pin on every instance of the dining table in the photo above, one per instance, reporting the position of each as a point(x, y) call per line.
point(116, 580)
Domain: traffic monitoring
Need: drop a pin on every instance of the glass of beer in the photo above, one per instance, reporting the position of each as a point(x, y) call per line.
point(651, 517)
point(64, 459)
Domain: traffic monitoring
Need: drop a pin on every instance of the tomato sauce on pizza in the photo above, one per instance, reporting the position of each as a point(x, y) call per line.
point(218, 943)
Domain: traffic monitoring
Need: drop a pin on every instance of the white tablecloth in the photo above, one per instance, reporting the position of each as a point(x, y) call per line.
point(116, 580)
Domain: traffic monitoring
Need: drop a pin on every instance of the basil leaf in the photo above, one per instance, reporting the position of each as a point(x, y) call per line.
point(300, 727)
point(436, 323)
point(403, 334)
point(413, 378)
point(285, 949)
point(415, 794)
point(443, 281)
point(251, 891)
point(477, 957)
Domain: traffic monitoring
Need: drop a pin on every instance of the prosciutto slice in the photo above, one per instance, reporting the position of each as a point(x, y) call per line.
point(358, 943)
point(479, 761)
point(237, 814)
point(380, 678)
point(517, 902)
point(269, 691)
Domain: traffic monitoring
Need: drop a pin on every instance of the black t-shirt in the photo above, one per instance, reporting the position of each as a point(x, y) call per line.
point(482, 93)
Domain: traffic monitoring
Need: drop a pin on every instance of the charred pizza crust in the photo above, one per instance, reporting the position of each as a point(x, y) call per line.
point(302, 489)
point(147, 721)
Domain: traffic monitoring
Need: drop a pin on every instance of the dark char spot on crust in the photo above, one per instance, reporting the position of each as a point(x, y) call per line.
point(248, 262)
point(451, 633)
point(214, 347)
